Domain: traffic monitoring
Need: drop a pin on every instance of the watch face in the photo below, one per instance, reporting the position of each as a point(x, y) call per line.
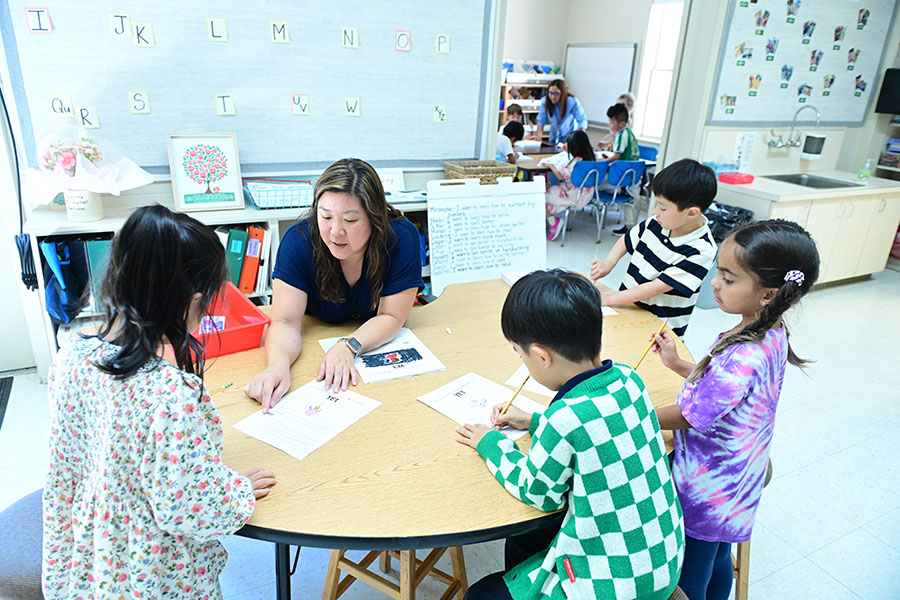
point(354, 345)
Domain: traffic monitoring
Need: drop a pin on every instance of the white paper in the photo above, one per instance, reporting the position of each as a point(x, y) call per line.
point(471, 398)
point(515, 380)
point(404, 356)
point(307, 418)
point(743, 150)
point(558, 160)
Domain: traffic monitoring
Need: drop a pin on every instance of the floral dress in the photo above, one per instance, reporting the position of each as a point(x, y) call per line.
point(564, 195)
point(136, 492)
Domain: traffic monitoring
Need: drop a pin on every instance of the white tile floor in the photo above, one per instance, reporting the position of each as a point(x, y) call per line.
point(829, 523)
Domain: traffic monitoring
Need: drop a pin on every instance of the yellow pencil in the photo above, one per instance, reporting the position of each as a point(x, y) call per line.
point(505, 408)
point(653, 341)
point(224, 387)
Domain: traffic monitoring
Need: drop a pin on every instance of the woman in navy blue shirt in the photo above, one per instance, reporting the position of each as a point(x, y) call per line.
point(354, 257)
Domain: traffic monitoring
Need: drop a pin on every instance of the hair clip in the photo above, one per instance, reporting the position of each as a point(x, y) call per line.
point(796, 276)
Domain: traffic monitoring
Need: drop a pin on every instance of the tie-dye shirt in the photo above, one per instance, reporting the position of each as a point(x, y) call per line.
point(720, 464)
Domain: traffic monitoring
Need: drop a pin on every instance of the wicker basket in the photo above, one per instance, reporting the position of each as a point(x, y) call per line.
point(485, 170)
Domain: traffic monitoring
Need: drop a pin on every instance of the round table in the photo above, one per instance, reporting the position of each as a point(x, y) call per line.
point(397, 479)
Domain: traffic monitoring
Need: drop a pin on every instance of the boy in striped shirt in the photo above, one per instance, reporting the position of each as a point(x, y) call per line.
point(672, 251)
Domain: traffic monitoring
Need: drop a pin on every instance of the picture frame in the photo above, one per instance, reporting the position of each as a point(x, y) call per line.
point(208, 179)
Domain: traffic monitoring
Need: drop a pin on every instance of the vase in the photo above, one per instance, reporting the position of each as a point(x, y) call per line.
point(82, 205)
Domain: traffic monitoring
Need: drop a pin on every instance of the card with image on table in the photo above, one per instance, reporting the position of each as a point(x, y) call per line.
point(404, 356)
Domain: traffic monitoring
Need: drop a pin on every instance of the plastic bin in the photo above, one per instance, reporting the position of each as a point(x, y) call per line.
point(232, 324)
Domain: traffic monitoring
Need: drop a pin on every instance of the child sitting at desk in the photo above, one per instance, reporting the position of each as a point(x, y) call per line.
point(672, 251)
point(513, 113)
point(624, 144)
point(596, 451)
point(136, 495)
point(506, 141)
point(564, 195)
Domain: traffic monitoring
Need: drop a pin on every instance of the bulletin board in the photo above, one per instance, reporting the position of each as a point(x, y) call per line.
point(778, 55)
point(301, 84)
point(597, 74)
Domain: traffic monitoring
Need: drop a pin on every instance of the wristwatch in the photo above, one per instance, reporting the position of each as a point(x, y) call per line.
point(353, 344)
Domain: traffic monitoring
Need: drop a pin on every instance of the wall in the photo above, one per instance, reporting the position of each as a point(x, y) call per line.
point(536, 29)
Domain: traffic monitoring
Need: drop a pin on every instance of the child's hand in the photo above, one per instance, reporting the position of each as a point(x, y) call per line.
point(514, 417)
point(470, 435)
point(599, 269)
point(664, 346)
point(261, 480)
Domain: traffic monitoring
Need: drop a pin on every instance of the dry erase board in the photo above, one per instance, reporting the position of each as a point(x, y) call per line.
point(401, 83)
point(597, 74)
point(778, 55)
point(478, 232)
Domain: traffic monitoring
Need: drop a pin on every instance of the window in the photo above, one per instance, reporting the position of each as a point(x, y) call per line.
point(656, 69)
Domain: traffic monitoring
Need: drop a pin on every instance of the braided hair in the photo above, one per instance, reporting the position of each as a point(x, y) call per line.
point(779, 254)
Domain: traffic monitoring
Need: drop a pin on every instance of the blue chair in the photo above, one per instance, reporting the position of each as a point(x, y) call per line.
point(621, 174)
point(648, 152)
point(585, 174)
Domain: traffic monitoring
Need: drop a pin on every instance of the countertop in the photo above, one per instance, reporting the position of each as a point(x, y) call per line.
point(779, 191)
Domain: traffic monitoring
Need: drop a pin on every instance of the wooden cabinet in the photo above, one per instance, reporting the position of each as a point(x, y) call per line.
point(880, 236)
point(798, 212)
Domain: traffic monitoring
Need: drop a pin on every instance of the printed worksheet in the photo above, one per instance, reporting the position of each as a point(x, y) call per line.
point(404, 356)
point(471, 398)
point(307, 419)
point(531, 385)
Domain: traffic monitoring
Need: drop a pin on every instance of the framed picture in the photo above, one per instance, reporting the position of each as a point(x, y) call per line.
point(206, 171)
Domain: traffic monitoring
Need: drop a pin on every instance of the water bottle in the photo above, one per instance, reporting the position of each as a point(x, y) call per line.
point(866, 171)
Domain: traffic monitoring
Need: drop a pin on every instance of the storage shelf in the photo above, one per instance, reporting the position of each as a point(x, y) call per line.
point(894, 169)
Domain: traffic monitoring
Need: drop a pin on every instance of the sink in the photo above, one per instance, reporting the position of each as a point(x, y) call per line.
point(812, 181)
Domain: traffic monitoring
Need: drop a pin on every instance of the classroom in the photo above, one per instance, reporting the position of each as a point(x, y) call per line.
point(406, 300)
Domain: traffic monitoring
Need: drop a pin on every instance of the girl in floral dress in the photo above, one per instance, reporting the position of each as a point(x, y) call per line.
point(564, 195)
point(136, 495)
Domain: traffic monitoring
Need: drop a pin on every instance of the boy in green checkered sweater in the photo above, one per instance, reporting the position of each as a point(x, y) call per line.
point(597, 448)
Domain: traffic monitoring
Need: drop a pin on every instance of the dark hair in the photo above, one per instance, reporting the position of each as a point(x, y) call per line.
point(514, 109)
point(769, 250)
point(686, 183)
point(563, 98)
point(357, 178)
point(158, 261)
point(514, 129)
point(557, 309)
point(579, 144)
point(618, 112)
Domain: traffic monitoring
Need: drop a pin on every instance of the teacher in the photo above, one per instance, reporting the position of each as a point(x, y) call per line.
point(353, 257)
point(563, 111)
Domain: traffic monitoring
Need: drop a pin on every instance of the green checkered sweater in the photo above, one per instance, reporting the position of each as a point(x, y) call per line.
point(598, 448)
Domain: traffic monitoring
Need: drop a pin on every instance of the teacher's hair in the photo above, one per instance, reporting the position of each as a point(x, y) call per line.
point(157, 262)
point(557, 309)
point(357, 178)
point(563, 98)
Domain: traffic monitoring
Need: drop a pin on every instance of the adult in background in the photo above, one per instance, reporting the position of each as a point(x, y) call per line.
point(562, 111)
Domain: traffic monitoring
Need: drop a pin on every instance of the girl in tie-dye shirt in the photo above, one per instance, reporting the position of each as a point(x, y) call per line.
point(725, 413)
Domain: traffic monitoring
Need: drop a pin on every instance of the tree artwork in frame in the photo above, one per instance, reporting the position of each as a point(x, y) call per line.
point(206, 172)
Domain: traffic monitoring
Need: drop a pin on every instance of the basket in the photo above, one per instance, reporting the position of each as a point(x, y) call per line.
point(487, 171)
point(271, 193)
point(233, 324)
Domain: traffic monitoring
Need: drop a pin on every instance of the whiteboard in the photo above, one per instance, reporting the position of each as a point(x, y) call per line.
point(477, 232)
point(416, 101)
point(597, 74)
point(776, 58)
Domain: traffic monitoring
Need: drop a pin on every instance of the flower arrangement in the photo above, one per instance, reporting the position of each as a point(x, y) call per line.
point(61, 156)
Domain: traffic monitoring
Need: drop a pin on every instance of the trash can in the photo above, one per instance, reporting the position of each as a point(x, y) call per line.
point(722, 219)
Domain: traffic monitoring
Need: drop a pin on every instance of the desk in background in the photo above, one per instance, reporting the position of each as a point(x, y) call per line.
point(397, 479)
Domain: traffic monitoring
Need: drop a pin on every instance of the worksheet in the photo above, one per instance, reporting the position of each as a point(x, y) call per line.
point(404, 356)
point(307, 419)
point(531, 385)
point(471, 398)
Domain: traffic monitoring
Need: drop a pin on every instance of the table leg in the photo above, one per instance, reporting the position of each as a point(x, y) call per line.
point(408, 575)
point(332, 575)
point(282, 571)
point(459, 570)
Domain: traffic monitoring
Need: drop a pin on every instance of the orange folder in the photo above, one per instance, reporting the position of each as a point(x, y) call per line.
point(247, 282)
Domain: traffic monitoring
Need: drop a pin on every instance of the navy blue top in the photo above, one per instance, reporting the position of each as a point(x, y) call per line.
point(403, 270)
point(567, 386)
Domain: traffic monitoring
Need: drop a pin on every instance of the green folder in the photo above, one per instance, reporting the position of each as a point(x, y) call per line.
point(97, 254)
point(235, 248)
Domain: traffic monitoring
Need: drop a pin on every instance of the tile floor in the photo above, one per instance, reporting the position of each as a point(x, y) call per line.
point(829, 523)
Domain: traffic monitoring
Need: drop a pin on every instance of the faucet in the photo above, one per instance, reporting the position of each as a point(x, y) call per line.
point(791, 141)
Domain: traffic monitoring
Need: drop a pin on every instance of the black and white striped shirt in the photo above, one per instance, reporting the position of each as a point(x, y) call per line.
point(680, 262)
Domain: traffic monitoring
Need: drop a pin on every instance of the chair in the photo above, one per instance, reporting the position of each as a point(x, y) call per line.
point(648, 152)
point(741, 559)
point(585, 174)
point(622, 173)
point(21, 535)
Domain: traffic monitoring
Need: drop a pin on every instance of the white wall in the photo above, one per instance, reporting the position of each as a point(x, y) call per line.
point(536, 29)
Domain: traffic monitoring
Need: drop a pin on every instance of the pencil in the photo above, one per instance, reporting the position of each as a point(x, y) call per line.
point(661, 327)
point(224, 387)
point(505, 408)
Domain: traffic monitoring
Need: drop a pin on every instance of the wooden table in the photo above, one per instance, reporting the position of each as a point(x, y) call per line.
point(397, 479)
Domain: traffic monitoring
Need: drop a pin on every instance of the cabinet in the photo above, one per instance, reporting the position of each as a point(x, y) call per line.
point(889, 158)
point(881, 234)
point(529, 109)
point(839, 228)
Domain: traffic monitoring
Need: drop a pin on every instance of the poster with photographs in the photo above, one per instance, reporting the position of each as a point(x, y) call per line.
point(778, 55)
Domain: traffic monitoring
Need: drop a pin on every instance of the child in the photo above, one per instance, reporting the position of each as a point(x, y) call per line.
point(136, 492)
point(506, 141)
point(725, 413)
point(596, 450)
point(672, 251)
point(624, 144)
point(513, 113)
point(627, 99)
point(564, 195)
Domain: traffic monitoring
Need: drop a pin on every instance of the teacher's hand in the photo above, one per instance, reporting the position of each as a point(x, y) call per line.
point(268, 387)
point(337, 370)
